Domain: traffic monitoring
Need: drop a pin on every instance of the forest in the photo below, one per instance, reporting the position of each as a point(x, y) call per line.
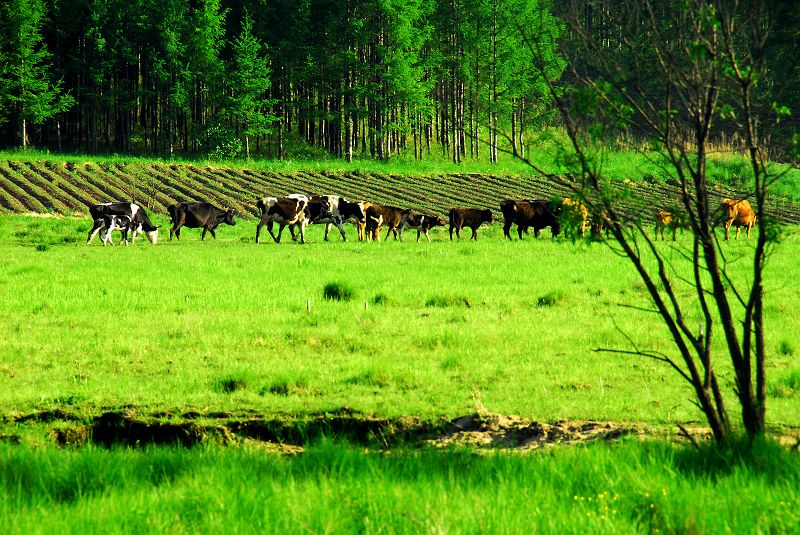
point(448, 79)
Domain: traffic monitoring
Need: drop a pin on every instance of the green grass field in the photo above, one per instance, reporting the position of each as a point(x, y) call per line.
point(334, 488)
point(432, 330)
point(219, 333)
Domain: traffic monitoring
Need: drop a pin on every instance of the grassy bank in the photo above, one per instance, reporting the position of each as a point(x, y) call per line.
point(630, 487)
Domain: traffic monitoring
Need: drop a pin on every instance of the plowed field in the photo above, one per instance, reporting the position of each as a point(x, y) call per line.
point(68, 188)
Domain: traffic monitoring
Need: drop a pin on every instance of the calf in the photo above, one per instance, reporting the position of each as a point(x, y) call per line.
point(286, 211)
point(139, 222)
point(669, 220)
point(574, 217)
point(391, 216)
point(739, 214)
point(362, 225)
point(198, 215)
point(538, 214)
point(469, 217)
point(424, 223)
point(114, 222)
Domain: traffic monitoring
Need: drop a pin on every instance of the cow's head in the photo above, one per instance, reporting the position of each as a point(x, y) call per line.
point(228, 218)
point(486, 216)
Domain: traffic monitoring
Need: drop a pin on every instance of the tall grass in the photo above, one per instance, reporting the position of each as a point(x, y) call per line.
point(335, 488)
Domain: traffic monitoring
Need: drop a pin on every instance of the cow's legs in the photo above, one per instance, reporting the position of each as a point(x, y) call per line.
point(269, 229)
point(389, 232)
point(213, 234)
point(175, 230)
point(474, 233)
point(340, 224)
point(507, 229)
point(97, 225)
point(258, 229)
point(327, 230)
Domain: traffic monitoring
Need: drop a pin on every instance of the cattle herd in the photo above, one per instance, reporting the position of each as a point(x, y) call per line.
point(297, 211)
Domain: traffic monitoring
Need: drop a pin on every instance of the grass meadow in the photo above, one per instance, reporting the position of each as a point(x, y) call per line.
point(432, 331)
point(334, 488)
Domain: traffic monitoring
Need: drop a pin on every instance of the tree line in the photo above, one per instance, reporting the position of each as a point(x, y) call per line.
point(224, 78)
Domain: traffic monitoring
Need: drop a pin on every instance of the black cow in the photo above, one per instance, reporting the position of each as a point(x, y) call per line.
point(139, 222)
point(286, 211)
point(531, 213)
point(424, 223)
point(468, 217)
point(198, 215)
point(393, 217)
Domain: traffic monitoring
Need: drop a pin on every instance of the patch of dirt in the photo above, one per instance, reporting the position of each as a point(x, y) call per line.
point(497, 431)
point(290, 434)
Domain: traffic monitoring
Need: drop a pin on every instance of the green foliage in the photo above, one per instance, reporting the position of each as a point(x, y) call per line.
point(629, 487)
point(338, 291)
point(447, 301)
point(250, 81)
point(26, 83)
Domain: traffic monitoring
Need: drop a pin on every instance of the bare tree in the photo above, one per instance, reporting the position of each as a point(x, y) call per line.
point(677, 74)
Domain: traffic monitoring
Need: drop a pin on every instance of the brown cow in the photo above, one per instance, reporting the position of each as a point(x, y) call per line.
point(361, 225)
point(664, 220)
point(391, 216)
point(738, 213)
point(287, 211)
point(525, 214)
point(468, 217)
point(575, 214)
point(424, 223)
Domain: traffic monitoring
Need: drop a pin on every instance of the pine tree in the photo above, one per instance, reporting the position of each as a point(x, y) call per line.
point(25, 84)
point(249, 74)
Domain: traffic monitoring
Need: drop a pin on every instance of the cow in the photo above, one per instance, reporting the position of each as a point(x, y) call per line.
point(139, 220)
point(468, 217)
point(393, 217)
point(666, 219)
point(574, 216)
point(424, 223)
point(362, 225)
point(536, 213)
point(113, 222)
point(198, 215)
point(289, 210)
point(333, 210)
point(737, 213)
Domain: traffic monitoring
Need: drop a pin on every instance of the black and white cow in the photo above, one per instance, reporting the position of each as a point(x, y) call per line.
point(198, 215)
point(424, 222)
point(333, 210)
point(112, 223)
point(289, 210)
point(139, 222)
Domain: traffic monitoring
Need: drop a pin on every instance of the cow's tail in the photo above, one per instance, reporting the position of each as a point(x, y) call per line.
point(173, 212)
